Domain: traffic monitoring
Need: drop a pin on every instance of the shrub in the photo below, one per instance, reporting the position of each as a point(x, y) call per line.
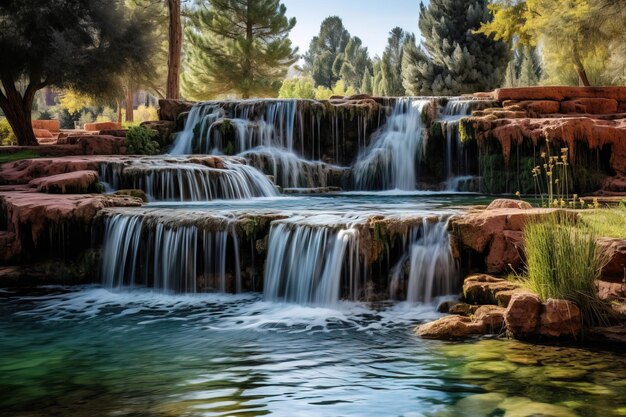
point(563, 262)
point(141, 141)
point(7, 137)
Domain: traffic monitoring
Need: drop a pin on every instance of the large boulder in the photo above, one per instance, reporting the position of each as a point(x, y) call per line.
point(171, 109)
point(52, 126)
point(505, 203)
point(522, 315)
point(483, 289)
point(492, 318)
point(450, 327)
point(560, 318)
point(77, 182)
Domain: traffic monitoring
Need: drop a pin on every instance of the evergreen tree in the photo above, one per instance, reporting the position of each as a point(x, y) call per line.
point(352, 63)
point(391, 62)
point(456, 60)
point(238, 47)
point(366, 83)
point(324, 50)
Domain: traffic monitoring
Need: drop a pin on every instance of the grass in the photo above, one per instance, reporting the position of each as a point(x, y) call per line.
point(17, 156)
point(563, 262)
point(610, 222)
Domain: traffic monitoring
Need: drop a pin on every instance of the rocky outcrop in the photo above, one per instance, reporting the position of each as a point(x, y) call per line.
point(97, 144)
point(522, 315)
point(484, 289)
point(41, 223)
point(98, 126)
point(170, 110)
point(52, 126)
point(76, 182)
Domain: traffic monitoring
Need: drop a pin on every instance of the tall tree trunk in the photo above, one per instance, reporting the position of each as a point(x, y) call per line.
point(17, 110)
point(129, 104)
point(175, 46)
point(119, 111)
point(580, 68)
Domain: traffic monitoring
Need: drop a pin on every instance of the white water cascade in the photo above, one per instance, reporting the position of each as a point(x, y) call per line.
point(167, 256)
point(450, 117)
point(390, 161)
point(200, 115)
point(184, 181)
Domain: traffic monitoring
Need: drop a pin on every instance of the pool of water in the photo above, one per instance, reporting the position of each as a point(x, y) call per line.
point(86, 351)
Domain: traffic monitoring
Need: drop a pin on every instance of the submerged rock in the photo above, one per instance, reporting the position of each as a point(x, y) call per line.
point(450, 327)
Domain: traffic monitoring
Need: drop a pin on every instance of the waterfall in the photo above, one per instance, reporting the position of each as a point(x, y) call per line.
point(390, 161)
point(167, 256)
point(432, 269)
point(185, 181)
point(289, 170)
point(202, 115)
point(453, 112)
point(306, 263)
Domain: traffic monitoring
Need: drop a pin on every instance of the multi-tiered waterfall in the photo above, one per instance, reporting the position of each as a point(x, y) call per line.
point(317, 249)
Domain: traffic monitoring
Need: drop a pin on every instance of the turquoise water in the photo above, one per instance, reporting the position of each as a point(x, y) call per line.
point(86, 351)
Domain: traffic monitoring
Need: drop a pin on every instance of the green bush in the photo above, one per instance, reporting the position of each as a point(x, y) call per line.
point(563, 262)
point(141, 141)
point(7, 137)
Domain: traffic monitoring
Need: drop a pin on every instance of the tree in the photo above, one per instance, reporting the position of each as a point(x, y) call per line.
point(297, 88)
point(352, 63)
point(175, 44)
point(453, 59)
point(525, 68)
point(238, 47)
point(572, 36)
point(78, 44)
point(366, 83)
point(390, 79)
point(324, 50)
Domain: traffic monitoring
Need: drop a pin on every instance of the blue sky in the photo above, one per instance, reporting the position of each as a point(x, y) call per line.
point(370, 20)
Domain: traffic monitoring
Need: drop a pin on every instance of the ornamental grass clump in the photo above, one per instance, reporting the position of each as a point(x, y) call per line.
point(563, 262)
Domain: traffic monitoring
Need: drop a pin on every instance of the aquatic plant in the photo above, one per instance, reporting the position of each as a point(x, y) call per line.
point(563, 262)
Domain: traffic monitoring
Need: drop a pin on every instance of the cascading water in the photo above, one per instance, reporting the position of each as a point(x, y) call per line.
point(204, 116)
point(306, 261)
point(450, 117)
point(167, 256)
point(185, 181)
point(390, 161)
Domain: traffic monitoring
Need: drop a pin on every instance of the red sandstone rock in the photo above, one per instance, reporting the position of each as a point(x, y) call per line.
point(171, 109)
point(611, 291)
point(450, 327)
point(590, 106)
point(560, 318)
point(505, 252)
point(42, 133)
point(52, 126)
point(615, 250)
point(22, 172)
point(506, 203)
point(29, 215)
point(101, 145)
point(522, 314)
point(492, 317)
point(482, 288)
point(77, 182)
point(559, 93)
point(97, 126)
point(118, 133)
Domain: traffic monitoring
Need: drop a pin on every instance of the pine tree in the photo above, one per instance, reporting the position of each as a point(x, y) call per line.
point(352, 63)
point(238, 47)
point(366, 83)
point(456, 60)
point(391, 62)
point(321, 59)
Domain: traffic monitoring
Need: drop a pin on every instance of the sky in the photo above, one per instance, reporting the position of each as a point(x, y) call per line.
point(370, 20)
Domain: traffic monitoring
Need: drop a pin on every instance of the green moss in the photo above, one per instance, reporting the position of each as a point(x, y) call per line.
point(18, 156)
point(467, 130)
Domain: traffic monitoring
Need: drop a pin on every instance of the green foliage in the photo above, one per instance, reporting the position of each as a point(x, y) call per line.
point(18, 156)
point(563, 262)
point(493, 177)
point(388, 72)
point(454, 59)
point(339, 89)
point(324, 59)
point(7, 137)
point(525, 68)
point(366, 83)
point(239, 48)
point(352, 63)
point(141, 141)
point(609, 222)
point(297, 88)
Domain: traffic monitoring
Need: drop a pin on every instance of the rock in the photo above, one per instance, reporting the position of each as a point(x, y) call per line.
point(102, 145)
point(505, 252)
point(171, 109)
point(505, 203)
point(462, 309)
point(503, 298)
point(482, 289)
point(42, 133)
point(450, 327)
point(98, 126)
point(77, 182)
point(522, 315)
point(559, 93)
point(613, 334)
point(590, 106)
point(164, 128)
point(52, 126)
point(133, 193)
point(118, 133)
point(492, 317)
point(560, 318)
point(611, 291)
point(615, 250)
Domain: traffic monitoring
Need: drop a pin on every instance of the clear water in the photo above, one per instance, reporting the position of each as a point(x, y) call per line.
point(88, 351)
